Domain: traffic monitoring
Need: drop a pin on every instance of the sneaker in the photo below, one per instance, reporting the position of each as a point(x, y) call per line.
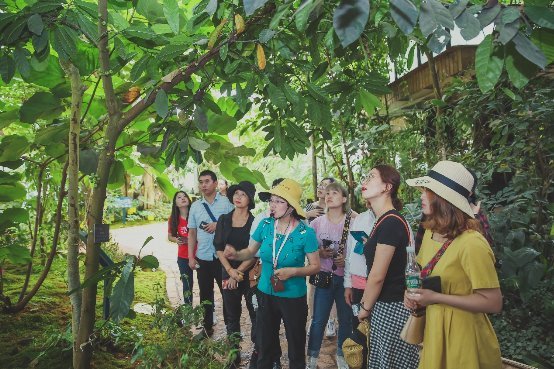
point(253, 360)
point(341, 363)
point(311, 363)
point(331, 330)
point(277, 365)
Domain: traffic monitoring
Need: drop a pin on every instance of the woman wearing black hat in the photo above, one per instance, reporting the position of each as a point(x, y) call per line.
point(234, 229)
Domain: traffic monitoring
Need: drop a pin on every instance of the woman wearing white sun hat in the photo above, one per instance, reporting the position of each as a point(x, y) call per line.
point(458, 333)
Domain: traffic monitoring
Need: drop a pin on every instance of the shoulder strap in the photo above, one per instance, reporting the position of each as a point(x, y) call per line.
point(428, 269)
point(401, 220)
point(344, 236)
point(209, 212)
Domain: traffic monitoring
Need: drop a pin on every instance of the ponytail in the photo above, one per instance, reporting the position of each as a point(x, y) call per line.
point(397, 203)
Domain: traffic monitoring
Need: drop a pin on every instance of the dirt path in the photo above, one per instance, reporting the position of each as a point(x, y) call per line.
point(131, 239)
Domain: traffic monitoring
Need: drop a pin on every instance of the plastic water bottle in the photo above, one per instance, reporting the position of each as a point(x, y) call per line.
point(413, 272)
point(255, 302)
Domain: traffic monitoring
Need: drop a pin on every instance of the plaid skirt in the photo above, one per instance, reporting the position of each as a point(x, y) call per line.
point(387, 350)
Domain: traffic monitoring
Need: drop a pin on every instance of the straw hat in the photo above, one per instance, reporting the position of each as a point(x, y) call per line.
point(245, 186)
point(449, 180)
point(289, 190)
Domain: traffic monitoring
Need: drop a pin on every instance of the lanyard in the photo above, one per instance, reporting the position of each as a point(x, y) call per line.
point(276, 257)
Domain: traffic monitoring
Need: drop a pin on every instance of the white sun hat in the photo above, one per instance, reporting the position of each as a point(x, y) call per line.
point(449, 180)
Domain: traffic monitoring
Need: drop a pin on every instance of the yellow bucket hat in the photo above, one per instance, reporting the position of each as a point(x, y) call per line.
point(289, 190)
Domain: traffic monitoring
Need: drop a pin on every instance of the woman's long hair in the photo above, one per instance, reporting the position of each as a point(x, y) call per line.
point(175, 213)
point(446, 219)
point(391, 176)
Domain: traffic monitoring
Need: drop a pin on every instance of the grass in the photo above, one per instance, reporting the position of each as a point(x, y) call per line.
point(44, 322)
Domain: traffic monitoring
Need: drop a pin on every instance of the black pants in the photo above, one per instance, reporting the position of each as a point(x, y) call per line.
point(206, 274)
point(357, 295)
point(232, 305)
point(294, 312)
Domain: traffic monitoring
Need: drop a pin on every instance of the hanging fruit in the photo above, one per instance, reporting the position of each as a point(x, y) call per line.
point(215, 34)
point(239, 24)
point(261, 56)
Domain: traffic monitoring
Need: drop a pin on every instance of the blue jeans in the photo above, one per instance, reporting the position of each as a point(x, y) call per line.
point(323, 302)
point(186, 277)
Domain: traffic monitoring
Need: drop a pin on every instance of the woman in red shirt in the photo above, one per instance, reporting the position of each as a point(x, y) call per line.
point(178, 232)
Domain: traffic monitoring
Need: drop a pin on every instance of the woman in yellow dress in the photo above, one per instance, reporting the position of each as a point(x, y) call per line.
point(458, 333)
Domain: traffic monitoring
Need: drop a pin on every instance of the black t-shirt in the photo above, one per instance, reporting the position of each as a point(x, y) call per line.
point(391, 231)
point(238, 237)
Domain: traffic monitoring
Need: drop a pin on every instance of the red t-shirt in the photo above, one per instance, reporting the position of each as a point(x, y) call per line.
point(182, 231)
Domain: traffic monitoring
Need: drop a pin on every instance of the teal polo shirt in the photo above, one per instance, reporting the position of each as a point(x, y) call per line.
point(301, 241)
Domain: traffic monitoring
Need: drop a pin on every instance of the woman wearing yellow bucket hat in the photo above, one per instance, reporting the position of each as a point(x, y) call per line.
point(458, 333)
point(284, 242)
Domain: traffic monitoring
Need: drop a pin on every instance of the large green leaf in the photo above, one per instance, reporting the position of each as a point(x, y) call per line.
point(541, 15)
point(487, 15)
point(7, 68)
point(544, 38)
point(165, 185)
point(529, 50)
point(221, 123)
point(457, 8)
point(12, 216)
point(198, 144)
point(172, 12)
point(432, 14)
point(519, 69)
point(469, 25)
point(144, 36)
point(123, 292)
point(42, 105)
point(12, 147)
point(244, 174)
point(64, 41)
point(369, 101)
point(250, 6)
point(21, 57)
point(88, 161)
point(52, 134)
point(15, 253)
point(12, 192)
point(488, 66)
point(149, 262)
point(260, 178)
point(171, 52)
point(349, 20)
point(48, 73)
point(277, 96)
point(506, 32)
point(35, 24)
point(161, 104)
point(438, 40)
point(405, 15)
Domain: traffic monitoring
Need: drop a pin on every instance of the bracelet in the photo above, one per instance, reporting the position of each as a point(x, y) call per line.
point(363, 307)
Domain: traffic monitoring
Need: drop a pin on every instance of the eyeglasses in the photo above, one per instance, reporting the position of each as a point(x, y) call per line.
point(277, 201)
point(368, 177)
point(236, 194)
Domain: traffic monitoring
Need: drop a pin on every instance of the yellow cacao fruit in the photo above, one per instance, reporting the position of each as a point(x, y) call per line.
point(239, 24)
point(215, 34)
point(261, 56)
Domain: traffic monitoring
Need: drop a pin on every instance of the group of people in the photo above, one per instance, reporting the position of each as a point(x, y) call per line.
point(353, 263)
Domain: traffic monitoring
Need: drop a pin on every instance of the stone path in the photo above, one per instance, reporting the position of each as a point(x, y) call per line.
point(130, 240)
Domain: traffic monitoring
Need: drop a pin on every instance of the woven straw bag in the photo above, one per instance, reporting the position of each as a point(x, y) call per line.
point(510, 364)
point(355, 347)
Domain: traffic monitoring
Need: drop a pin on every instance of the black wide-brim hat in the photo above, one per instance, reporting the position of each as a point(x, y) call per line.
point(247, 187)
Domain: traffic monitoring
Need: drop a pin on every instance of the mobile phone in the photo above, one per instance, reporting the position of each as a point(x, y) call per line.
point(326, 243)
point(203, 224)
point(356, 309)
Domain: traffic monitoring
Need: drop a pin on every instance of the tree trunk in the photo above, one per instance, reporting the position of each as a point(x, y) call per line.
point(314, 164)
point(439, 129)
point(73, 241)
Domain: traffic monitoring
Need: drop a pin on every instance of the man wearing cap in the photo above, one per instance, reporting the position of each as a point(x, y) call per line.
point(284, 242)
point(203, 217)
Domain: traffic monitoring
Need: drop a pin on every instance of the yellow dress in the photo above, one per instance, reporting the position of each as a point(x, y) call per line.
point(455, 338)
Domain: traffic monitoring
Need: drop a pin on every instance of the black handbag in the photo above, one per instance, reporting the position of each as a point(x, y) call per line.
point(321, 279)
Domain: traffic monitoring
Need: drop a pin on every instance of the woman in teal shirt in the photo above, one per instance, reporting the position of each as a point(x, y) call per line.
point(284, 242)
